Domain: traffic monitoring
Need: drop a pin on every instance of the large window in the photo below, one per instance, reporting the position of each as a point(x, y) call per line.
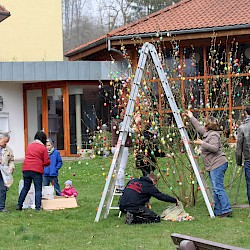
point(88, 109)
point(219, 86)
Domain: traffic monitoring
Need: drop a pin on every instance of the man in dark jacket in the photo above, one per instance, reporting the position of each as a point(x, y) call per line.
point(243, 148)
point(135, 196)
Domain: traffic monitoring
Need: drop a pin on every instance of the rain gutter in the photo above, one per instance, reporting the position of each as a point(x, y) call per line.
point(181, 32)
point(164, 33)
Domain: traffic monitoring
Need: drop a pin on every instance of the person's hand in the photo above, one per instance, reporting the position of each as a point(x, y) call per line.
point(198, 141)
point(11, 170)
point(178, 203)
point(189, 114)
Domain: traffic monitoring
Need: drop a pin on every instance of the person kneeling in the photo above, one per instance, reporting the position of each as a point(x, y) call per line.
point(136, 195)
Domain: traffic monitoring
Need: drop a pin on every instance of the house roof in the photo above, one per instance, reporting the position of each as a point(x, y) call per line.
point(3, 13)
point(184, 16)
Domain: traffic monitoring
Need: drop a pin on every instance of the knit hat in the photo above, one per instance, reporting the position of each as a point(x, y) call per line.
point(69, 182)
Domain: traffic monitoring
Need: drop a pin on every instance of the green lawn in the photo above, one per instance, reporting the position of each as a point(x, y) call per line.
point(76, 229)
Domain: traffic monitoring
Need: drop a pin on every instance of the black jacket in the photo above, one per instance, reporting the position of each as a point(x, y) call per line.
point(138, 192)
point(243, 142)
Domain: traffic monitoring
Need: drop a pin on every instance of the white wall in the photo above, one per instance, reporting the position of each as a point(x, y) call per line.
point(12, 94)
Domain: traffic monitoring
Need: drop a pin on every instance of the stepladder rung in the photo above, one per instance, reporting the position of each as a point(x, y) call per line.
point(114, 208)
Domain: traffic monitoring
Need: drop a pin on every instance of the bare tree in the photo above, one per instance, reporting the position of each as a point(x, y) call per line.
point(114, 13)
point(79, 26)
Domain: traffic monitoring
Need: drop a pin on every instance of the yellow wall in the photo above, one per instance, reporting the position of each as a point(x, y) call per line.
point(33, 32)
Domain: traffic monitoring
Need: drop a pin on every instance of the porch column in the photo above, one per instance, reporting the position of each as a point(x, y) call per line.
point(78, 122)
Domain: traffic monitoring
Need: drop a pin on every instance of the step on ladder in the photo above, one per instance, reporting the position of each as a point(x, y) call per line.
point(112, 207)
point(108, 191)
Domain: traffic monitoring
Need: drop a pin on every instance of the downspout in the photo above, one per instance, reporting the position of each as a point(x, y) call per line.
point(120, 53)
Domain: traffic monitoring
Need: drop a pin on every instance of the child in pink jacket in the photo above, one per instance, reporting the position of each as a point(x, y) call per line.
point(69, 190)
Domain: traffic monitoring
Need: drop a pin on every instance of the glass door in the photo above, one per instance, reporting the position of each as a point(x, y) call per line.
point(34, 113)
point(55, 117)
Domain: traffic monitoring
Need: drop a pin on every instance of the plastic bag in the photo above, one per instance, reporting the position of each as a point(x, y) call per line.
point(29, 201)
point(175, 213)
point(7, 176)
point(48, 192)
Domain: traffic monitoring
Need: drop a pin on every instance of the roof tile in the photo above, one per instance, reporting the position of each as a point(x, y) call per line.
point(186, 15)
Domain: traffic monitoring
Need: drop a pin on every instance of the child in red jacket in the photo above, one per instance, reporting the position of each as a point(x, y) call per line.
point(69, 190)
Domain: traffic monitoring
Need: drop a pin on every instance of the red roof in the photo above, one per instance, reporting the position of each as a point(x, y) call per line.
point(187, 15)
point(86, 44)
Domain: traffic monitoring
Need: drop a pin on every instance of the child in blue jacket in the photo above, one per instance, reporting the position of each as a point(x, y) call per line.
point(51, 171)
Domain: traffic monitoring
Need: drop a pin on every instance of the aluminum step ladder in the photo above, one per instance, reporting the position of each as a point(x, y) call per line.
point(108, 192)
point(112, 207)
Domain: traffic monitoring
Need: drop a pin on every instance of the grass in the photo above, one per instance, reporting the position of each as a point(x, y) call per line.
point(76, 229)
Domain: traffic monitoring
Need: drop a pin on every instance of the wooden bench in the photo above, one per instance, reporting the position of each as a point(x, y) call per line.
point(185, 242)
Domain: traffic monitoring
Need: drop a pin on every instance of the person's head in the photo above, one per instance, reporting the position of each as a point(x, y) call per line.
point(41, 136)
point(211, 123)
point(4, 139)
point(247, 109)
point(68, 184)
point(49, 144)
point(153, 178)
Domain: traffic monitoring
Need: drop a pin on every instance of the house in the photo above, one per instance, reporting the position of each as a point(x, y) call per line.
point(204, 47)
point(38, 90)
